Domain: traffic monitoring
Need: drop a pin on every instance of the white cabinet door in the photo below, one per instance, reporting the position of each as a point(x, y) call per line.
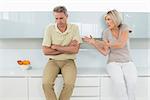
point(35, 89)
point(148, 24)
point(13, 89)
point(23, 24)
point(134, 20)
point(106, 89)
point(141, 90)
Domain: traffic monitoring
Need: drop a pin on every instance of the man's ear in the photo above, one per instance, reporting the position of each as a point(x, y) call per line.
point(67, 15)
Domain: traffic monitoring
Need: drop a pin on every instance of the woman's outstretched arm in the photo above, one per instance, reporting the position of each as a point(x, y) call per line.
point(101, 46)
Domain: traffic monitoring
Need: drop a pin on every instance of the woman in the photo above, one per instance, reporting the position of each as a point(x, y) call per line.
point(119, 66)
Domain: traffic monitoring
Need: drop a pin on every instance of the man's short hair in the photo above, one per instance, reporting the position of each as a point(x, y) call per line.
point(60, 9)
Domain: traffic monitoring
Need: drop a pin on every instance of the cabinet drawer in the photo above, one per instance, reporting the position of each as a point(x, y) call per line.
point(85, 98)
point(13, 89)
point(82, 81)
point(86, 91)
point(87, 81)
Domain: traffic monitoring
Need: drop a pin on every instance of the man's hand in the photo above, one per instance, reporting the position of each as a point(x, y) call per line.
point(73, 43)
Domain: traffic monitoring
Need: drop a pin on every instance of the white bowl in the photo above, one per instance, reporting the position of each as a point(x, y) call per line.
point(24, 66)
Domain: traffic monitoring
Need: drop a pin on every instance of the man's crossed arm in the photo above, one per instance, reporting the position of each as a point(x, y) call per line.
point(72, 48)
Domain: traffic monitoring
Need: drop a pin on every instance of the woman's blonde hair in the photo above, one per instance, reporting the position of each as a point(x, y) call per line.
point(115, 16)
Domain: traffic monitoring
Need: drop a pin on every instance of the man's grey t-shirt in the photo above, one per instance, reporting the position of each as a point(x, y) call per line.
point(121, 55)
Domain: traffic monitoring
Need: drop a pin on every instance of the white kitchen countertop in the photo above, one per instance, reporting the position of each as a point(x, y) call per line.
point(142, 72)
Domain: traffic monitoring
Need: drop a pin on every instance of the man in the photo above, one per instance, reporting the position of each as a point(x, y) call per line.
point(61, 43)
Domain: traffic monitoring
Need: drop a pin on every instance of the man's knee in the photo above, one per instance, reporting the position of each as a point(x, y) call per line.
point(47, 85)
point(69, 85)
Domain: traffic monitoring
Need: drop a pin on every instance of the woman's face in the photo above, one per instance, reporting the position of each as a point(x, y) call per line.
point(109, 22)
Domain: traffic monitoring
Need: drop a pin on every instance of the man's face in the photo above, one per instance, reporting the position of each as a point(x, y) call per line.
point(60, 19)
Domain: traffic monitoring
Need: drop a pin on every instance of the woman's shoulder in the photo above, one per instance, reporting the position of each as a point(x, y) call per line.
point(125, 27)
point(122, 26)
point(106, 31)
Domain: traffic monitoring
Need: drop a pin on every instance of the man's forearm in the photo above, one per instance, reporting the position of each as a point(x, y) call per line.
point(56, 52)
point(72, 48)
point(50, 51)
point(68, 49)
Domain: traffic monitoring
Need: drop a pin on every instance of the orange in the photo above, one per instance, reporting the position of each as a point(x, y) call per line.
point(26, 62)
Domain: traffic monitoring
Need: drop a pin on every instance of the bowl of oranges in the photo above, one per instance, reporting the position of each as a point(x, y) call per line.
point(24, 64)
